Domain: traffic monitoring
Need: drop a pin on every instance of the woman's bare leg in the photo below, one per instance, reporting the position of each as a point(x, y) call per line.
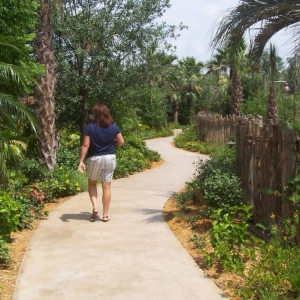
point(93, 192)
point(106, 197)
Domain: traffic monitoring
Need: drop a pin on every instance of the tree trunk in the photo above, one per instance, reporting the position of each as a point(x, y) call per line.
point(236, 93)
point(84, 119)
point(272, 104)
point(47, 138)
point(175, 111)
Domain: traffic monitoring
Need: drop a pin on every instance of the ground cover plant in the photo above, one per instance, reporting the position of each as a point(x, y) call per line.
point(190, 141)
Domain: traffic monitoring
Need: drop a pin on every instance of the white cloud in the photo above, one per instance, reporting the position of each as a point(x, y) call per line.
point(211, 10)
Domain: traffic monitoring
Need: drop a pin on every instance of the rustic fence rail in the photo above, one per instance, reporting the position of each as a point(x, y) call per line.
point(266, 158)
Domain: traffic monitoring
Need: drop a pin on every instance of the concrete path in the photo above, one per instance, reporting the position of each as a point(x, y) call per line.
point(134, 256)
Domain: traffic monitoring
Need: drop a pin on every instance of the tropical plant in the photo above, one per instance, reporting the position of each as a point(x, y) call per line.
point(189, 75)
point(272, 16)
point(217, 65)
point(9, 211)
point(16, 79)
point(236, 60)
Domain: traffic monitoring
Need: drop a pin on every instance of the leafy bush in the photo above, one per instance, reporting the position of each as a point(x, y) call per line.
point(140, 145)
point(67, 158)
point(230, 237)
point(33, 170)
point(182, 199)
point(190, 141)
point(4, 250)
point(275, 273)
point(31, 200)
point(148, 133)
point(133, 157)
point(9, 221)
point(9, 211)
point(69, 140)
point(222, 162)
point(222, 190)
point(61, 183)
point(222, 159)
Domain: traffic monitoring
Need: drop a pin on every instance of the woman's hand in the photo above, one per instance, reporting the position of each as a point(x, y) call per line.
point(81, 167)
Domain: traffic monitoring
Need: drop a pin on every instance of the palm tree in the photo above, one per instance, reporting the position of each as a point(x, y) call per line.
point(236, 60)
point(217, 65)
point(190, 72)
point(47, 137)
point(189, 76)
point(13, 78)
point(271, 15)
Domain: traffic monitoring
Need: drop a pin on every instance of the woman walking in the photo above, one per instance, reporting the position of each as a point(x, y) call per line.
point(99, 140)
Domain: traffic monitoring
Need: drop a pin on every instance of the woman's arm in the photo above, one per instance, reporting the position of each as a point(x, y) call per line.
point(84, 148)
point(119, 139)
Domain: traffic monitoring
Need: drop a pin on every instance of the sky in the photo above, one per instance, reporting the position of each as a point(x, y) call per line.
point(201, 16)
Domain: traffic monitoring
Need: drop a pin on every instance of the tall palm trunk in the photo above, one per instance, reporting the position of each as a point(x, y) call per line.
point(47, 139)
point(175, 111)
point(272, 110)
point(236, 92)
point(272, 104)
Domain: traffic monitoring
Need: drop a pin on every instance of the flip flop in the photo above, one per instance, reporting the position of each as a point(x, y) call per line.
point(105, 219)
point(94, 215)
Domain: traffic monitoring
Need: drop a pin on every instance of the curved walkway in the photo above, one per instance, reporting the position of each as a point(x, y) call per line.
point(134, 256)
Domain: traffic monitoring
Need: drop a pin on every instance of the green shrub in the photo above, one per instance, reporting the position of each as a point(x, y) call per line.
point(33, 170)
point(222, 190)
point(222, 159)
point(9, 221)
point(276, 273)
point(69, 140)
point(222, 162)
point(31, 201)
point(9, 212)
point(230, 237)
point(188, 135)
point(182, 199)
point(190, 141)
point(4, 250)
point(133, 157)
point(61, 183)
point(148, 133)
point(129, 161)
point(67, 158)
point(137, 143)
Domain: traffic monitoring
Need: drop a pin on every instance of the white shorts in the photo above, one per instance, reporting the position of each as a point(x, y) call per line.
point(103, 166)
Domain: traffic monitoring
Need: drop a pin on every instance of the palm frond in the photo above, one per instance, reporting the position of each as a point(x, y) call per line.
point(275, 14)
point(14, 73)
point(12, 107)
point(273, 55)
point(265, 34)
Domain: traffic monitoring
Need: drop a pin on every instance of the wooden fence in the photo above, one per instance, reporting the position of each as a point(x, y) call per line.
point(266, 157)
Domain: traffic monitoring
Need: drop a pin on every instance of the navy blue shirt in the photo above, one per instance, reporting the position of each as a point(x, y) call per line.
point(102, 139)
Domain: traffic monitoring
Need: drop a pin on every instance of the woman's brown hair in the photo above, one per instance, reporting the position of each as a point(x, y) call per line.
point(102, 116)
